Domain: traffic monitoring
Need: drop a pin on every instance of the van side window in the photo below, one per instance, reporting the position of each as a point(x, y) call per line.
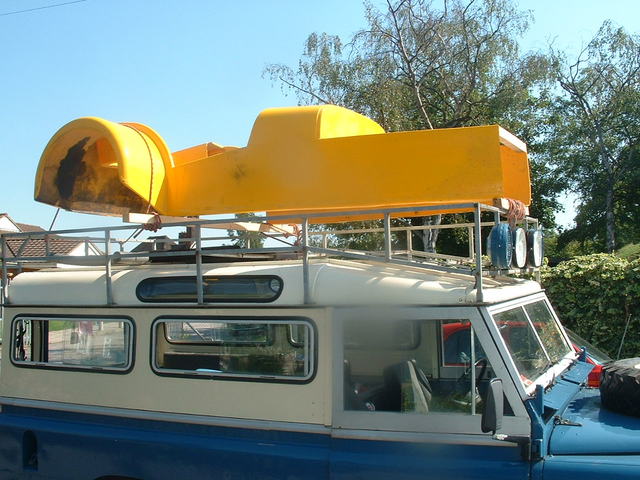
point(215, 288)
point(413, 366)
point(259, 349)
point(79, 343)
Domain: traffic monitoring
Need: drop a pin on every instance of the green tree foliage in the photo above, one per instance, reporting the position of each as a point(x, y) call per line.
point(244, 238)
point(419, 66)
point(340, 237)
point(596, 136)
point(595, 295)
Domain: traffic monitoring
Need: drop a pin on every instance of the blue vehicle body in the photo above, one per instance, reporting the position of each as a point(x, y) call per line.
point(70, 446)
point(93, 446)
point(580, 438)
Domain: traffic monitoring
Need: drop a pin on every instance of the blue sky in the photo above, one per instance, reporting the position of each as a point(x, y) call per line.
point(191, 69)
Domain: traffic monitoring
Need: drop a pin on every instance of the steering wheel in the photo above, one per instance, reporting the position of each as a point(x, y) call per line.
point(467, 372)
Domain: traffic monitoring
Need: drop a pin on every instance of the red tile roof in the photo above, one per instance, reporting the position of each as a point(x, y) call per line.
point(25, 227)
point(36, 247)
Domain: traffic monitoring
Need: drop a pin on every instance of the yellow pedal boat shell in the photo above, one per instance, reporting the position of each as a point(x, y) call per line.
point(298, 159)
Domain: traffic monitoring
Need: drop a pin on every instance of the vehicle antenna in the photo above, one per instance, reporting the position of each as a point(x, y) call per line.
point(624, 334)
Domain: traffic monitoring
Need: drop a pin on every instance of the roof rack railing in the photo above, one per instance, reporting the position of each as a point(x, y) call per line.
point(104, 246)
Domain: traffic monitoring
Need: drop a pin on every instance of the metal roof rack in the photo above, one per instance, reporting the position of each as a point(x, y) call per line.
point(291, 231)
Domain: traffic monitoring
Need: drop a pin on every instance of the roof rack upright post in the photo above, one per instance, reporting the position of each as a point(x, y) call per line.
point(305, 260)
point(387, 236)
point(107, 255)
point(477, 239)
point(47, 247)
point(199, 280)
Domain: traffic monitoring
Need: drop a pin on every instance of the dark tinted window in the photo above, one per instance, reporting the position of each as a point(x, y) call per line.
point(263, 288)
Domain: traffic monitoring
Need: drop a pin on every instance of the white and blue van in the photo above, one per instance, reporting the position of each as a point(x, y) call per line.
point(295, 362)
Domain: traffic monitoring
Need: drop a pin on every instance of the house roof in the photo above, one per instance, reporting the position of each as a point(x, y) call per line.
point(36, 247)
point(25, 227)
point(6, 221)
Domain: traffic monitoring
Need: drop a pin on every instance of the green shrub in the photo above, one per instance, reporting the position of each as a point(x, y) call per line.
point(630, 251)
point(594, 295)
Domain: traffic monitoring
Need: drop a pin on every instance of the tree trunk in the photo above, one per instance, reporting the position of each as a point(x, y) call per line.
point(609, 218)
point(427, 238)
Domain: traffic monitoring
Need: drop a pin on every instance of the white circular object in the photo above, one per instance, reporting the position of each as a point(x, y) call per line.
point(519, 257)
point(535, 248)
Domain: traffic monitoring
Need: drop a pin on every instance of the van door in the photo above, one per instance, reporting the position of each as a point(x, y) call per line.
point(409, 393)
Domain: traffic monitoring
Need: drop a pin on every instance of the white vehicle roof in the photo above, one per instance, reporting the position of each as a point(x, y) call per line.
point(332, 282)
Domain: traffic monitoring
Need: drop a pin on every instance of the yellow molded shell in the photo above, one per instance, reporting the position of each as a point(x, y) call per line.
point(298, 159)
point(98, 166)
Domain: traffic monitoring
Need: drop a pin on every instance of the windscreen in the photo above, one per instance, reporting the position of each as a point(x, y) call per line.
point(533, 338)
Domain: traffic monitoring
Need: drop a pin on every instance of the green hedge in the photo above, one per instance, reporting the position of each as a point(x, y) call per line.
point(594, 295)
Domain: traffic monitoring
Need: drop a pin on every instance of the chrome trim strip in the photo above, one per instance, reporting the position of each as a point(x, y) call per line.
point(168, 417)
point(446, 438)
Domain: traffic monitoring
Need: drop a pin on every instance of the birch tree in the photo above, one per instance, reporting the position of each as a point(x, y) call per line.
point(598, 132)
point(418, 66)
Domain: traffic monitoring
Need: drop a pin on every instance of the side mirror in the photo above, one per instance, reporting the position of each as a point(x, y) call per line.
point(493, 408)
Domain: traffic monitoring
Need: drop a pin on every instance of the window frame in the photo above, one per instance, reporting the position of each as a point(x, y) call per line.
point(214, 301)
point(434, 422)
point(130, 345)
point(556, 370)
point(275, 320)
point(292, 341)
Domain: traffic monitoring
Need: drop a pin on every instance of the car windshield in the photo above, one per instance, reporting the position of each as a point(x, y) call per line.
point(533, 338)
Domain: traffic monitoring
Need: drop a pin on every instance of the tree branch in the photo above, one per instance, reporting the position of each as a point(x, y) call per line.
point(308, 92)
